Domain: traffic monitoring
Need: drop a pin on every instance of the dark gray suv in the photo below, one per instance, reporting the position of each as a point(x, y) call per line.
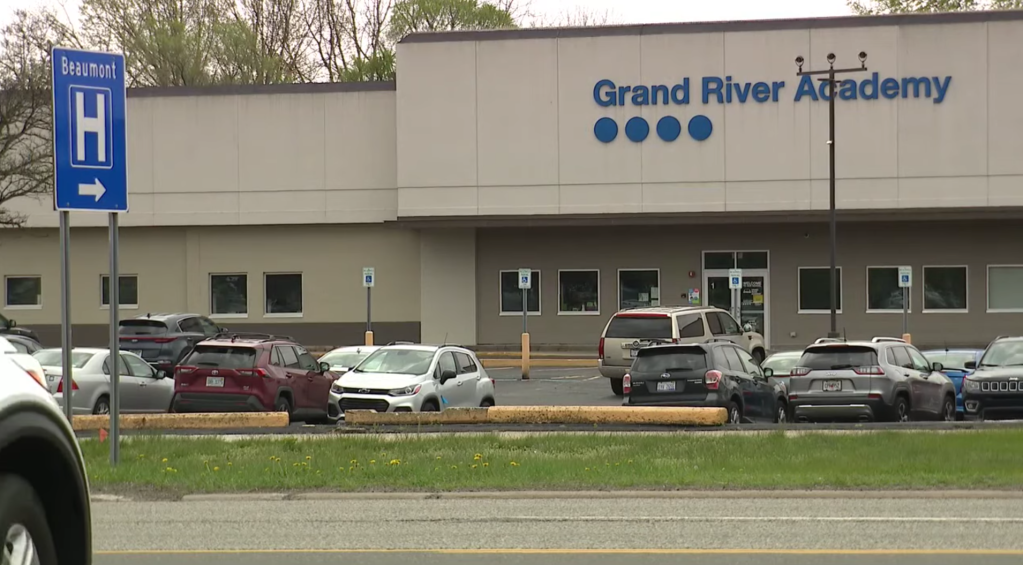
point(881, 379)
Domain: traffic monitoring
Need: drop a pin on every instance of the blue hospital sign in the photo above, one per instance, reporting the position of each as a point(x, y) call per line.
point(89, 131)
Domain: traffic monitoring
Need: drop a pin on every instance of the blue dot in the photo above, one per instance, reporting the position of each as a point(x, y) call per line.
point(606, 130)
point(668, 128)
point(637, 129)
point(700, 127)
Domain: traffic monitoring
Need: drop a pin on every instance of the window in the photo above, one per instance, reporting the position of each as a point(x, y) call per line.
point(23, 292)
point(814, 295)
point(127, 291)
point(721, 260)
point(752, 367)
point(639, 288)
point(190, 325)
point(511, 294)
point(283, 294)
point(222, 357)
point(722, 324)
point(835, 357)
point(578, 292)
point(639, 326)
point(305, 360)
point(899, 357)
point(287, 356)
point(1005, 288)
point(139, 368)
point(446, 363)
point(691, 325)
point(465, 363)
point(883, 291)
point(945, 289)
point(397, 362)
point(675, 359)
point(919, 361)
point(229, 295)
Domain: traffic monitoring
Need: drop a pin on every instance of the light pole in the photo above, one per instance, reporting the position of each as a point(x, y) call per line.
point(831, 71)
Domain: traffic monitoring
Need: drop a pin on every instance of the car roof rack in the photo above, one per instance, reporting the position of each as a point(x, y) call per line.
point(255, 336)
point(401, 343)
point(719, 340)
point(880, 339)
point(829, 340)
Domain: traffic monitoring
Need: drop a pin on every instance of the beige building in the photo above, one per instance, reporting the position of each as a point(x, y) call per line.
point(626, 166)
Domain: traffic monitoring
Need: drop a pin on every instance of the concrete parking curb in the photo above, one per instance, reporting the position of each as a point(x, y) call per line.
point(215, 421)
point(662, 416)
point(540, 363)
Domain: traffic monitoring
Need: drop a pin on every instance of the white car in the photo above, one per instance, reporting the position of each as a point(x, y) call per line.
point(24, 360)
point(413, 378)
point(143, 389)
point(344, 359)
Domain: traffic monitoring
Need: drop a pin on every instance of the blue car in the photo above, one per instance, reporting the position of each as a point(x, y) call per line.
point(954, 362)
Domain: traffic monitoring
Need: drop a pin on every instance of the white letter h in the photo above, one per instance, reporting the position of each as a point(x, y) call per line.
point(95, 125)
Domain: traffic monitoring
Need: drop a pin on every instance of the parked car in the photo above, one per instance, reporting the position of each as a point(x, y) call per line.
point(344, 359)
point(45, 514)
point(142, 388)
point(780, 364)
point(995, 389)
point(27, 362)
point(249, 372)
point(884, 378)
point(23, 344)
point(628, 331)
point(714, 374)
point(954, 362)
point(164, 339)
point(414, 378)
point(11, 327)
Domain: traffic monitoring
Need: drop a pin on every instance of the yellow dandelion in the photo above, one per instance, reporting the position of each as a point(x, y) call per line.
point(477, 457)
point(273, 458)
point(514, 464)
point(454, 466)
point(169, 470)
point(354, 461)
point(485, 464)
point(438, 457)
point(630, 461)
point(229, 463)
point(474, 466)
point(395, 462)
point(308, 457)
point(164, 460)
point(587, 468)
point(372, 461)
point(216, 469)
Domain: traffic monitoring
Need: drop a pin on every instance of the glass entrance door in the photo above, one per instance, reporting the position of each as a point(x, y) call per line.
point(749, 306)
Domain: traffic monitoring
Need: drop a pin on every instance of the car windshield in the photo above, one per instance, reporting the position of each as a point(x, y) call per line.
point(639, 327)
point(675, 358)
point(397, 362)
point(837, 357)
point(52, 358)
point(951, 360)
point(221, 356)
point(1003, 354)
point(780, 364)
point(142, 327)
point(347, 359)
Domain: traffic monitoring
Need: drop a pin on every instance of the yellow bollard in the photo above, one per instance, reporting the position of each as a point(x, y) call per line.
point(369, 338)
point(525, 356)
point(908, 338)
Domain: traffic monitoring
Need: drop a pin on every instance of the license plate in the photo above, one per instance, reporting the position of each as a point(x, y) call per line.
point(136, 352)
point(666, 386)
point(832, 386)
point(215, 381)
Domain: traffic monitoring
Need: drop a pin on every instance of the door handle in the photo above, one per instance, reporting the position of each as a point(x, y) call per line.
point(460, 383)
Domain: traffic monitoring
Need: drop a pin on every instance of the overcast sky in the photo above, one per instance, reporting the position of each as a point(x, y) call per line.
point(623, 11)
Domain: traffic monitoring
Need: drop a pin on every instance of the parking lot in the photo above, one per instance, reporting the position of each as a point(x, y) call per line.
point(553, 387)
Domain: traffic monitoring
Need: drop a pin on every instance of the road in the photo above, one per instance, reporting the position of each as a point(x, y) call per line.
point(649, 531)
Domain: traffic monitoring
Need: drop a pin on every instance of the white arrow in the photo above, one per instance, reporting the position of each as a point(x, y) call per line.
point(95, 189)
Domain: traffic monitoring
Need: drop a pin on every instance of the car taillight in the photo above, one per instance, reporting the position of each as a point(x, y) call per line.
point(600, 349)
point(253, 372)
point(60, 386)
point(799, 371)
point(627, 384)
point(869, 370)
point(712, 379)
point(184, 369)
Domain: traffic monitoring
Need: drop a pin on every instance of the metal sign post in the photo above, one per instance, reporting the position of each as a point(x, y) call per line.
point(368, 280)
point(735, 286)
point(525, 283)
point(90, 174)
point(905, 283)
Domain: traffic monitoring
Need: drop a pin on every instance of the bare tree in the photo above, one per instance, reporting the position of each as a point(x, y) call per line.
point(866, 7)
point(347, 38)
point(577, 16)
point(268, 37)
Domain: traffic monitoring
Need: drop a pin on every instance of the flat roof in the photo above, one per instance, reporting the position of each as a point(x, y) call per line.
point(718, 26)
point(243, 89)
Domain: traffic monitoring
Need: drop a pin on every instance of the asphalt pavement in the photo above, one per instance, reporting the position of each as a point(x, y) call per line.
point(553, 387)
point(932, 530)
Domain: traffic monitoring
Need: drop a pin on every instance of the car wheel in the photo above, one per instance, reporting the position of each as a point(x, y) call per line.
point(782, 414)
point(617, 387)
point(900, 410)
point(734, 413)
point(102, 407)
point(948, 410)
point(27, 536)
point(487, 403)
point(430, 406)
point(283, 405)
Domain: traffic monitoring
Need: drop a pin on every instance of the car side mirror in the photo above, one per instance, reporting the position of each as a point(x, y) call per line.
point(971, 365)
point(937, 367)
point(324, 367)
point(222, 329)
point(768, 372)
point(446, 375)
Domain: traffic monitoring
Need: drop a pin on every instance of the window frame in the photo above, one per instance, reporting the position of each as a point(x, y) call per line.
point(539, 294)
point(39, 306)
point(209, 289)
point(618, 284)
point(120, 276)
point(574, 312)
point(923, 290)
point(866, 291)
point(282, 314)
point(987, 290)
point(799, 290)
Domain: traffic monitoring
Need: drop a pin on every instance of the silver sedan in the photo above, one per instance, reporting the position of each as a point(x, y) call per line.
point(142, 389)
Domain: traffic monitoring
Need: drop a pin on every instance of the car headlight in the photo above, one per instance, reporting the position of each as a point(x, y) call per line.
point(336, 387)
point(971, 386)
point(407, 391)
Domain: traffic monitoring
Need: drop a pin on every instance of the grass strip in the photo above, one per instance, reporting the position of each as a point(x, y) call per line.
point(910, 460)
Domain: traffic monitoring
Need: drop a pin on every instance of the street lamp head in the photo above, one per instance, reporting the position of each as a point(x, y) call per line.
point(831, 58)
point(799, 62)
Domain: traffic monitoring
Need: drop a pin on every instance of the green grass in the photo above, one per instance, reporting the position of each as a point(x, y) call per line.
point(987, 459)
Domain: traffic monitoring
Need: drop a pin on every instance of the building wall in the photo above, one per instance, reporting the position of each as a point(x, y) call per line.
point(677, 249)
point(492, 126)
point(448, 288)
point(173, 266)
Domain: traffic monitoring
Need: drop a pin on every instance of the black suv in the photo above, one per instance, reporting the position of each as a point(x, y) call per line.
point(995, 389)
point(10, 327)
point(164, 339)
point(713, 374)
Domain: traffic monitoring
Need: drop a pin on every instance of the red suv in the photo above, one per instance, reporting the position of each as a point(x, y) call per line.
point(245, 372)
